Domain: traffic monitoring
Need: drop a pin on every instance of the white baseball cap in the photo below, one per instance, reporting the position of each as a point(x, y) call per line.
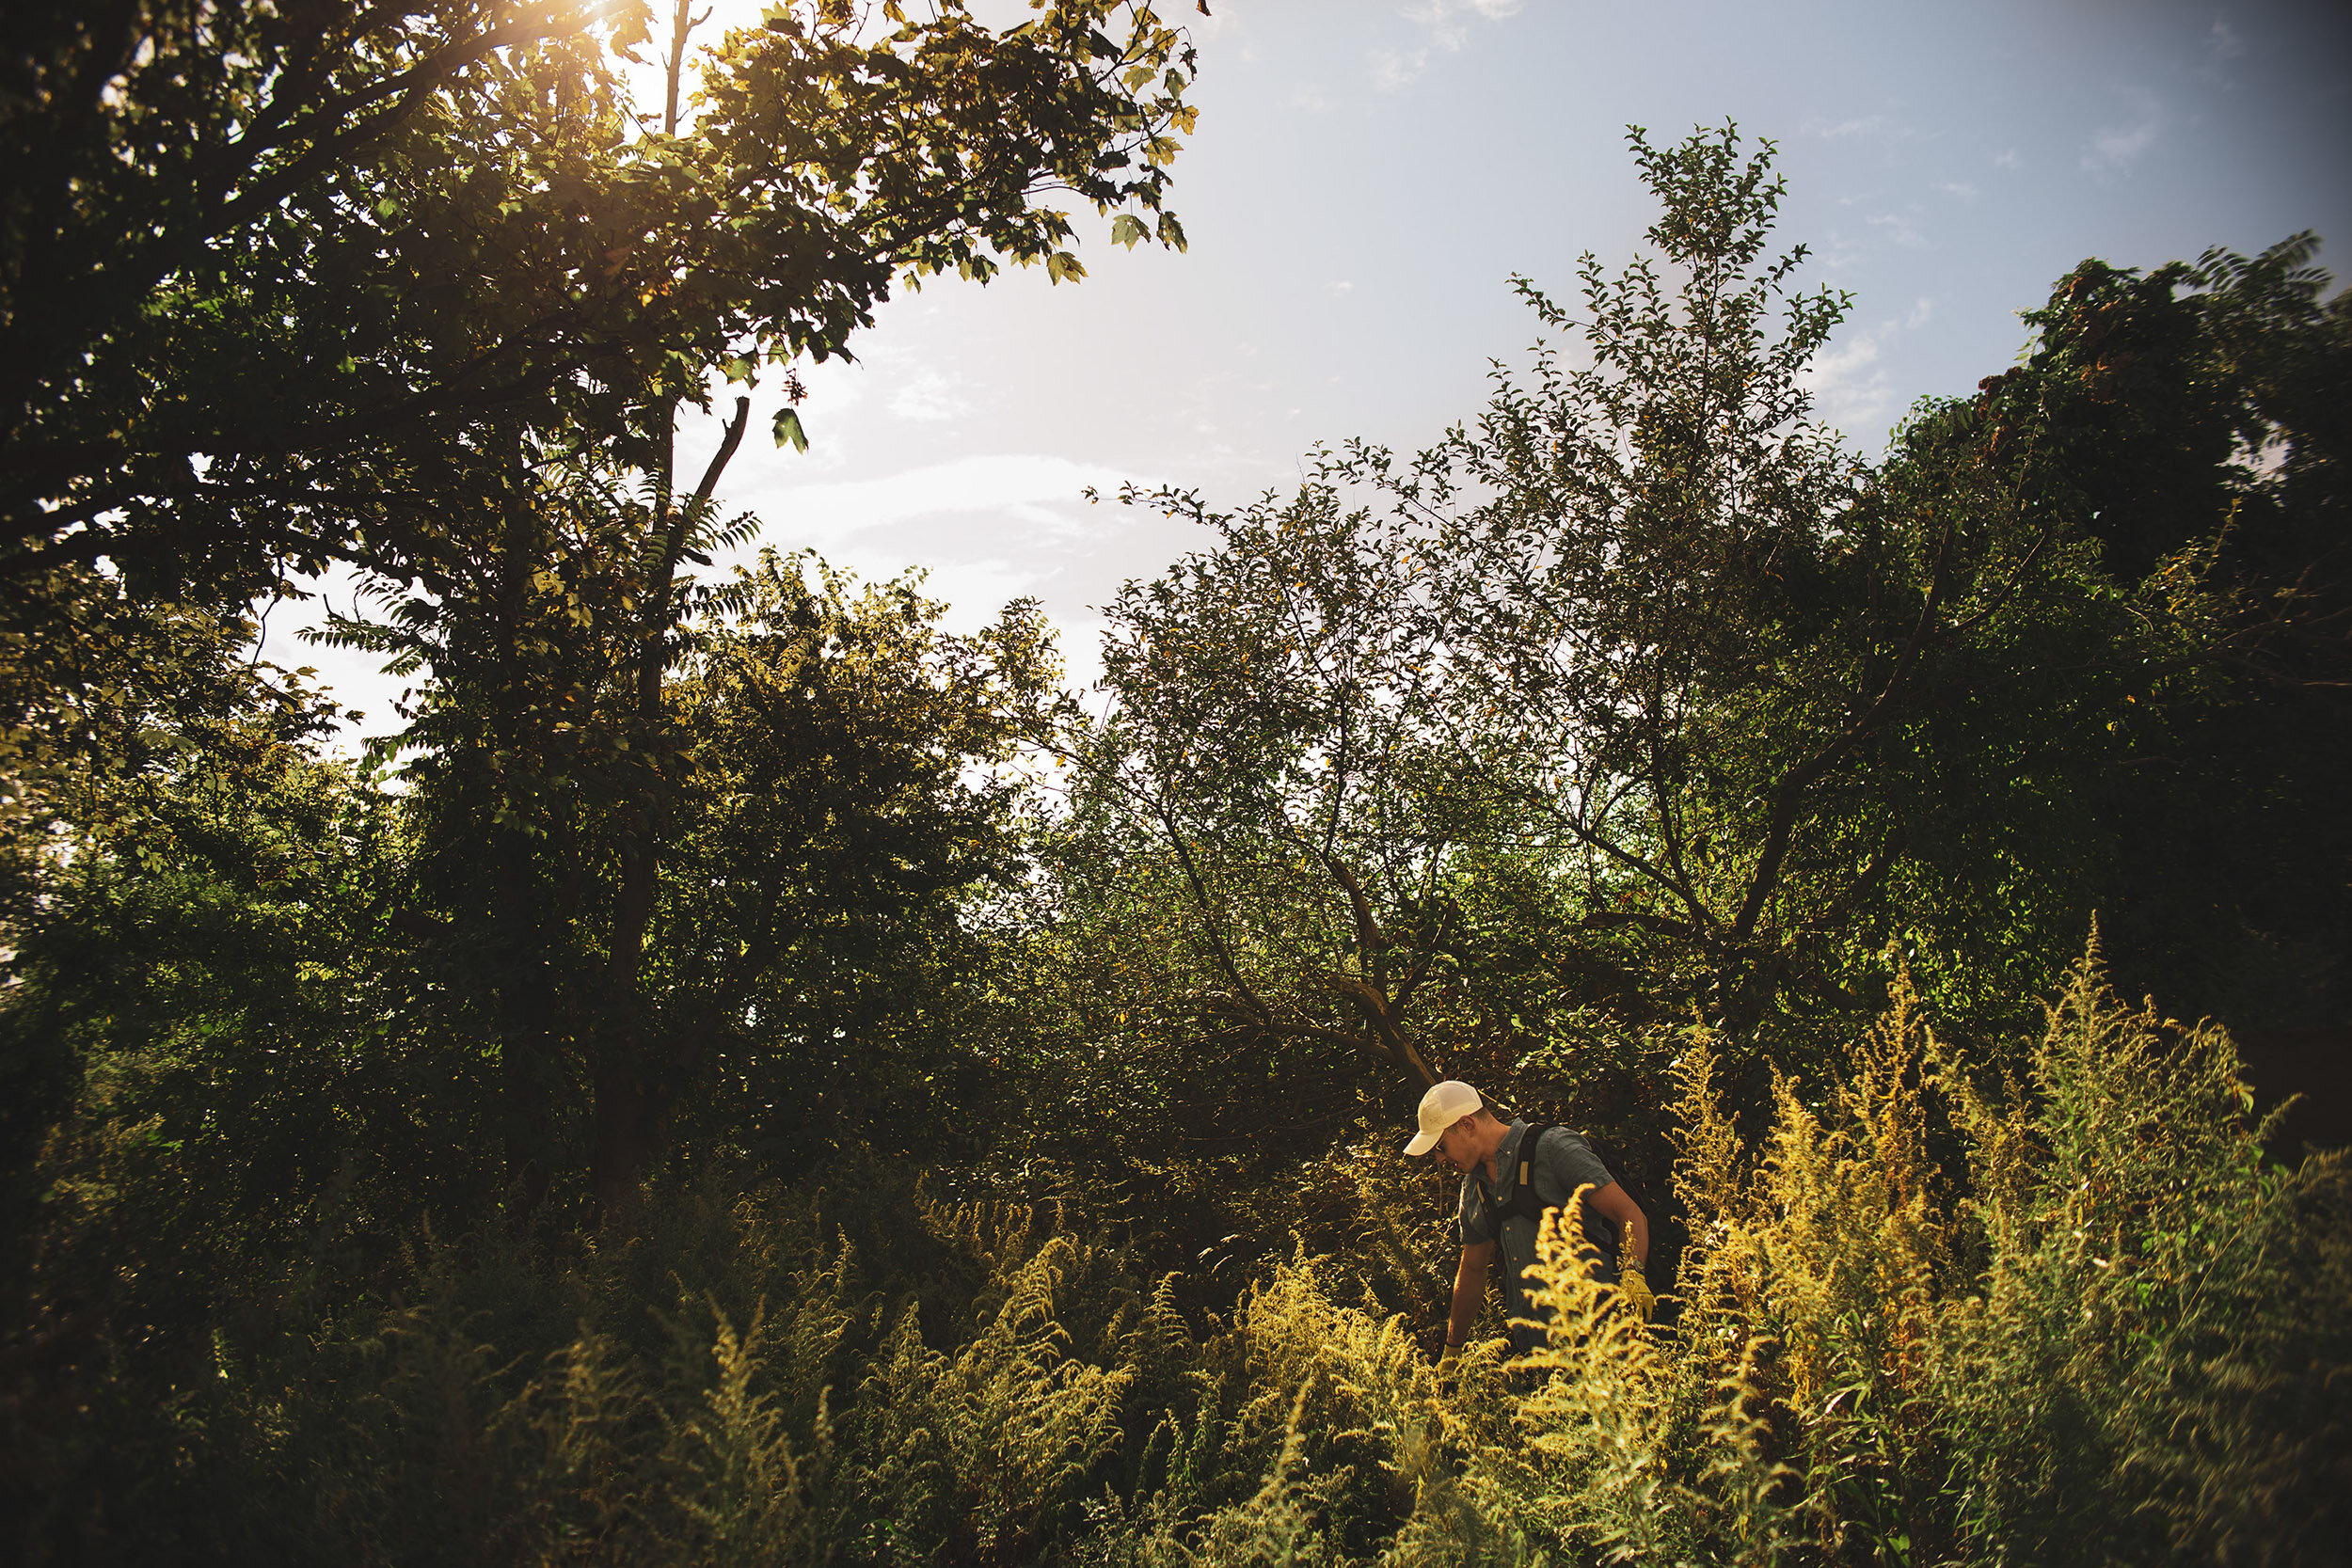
point(1440, 1108)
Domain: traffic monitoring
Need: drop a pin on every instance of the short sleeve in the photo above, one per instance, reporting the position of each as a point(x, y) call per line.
point(1563, 1162)
point(1469, 1219)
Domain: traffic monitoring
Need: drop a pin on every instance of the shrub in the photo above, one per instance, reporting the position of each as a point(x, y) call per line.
point(2155, 1361)
point(1942, 1307)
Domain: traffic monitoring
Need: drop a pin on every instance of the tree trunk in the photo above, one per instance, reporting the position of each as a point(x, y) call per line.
point(628, 1097)
point(634, 1076)
point(628, 1137)
point(525, 1002)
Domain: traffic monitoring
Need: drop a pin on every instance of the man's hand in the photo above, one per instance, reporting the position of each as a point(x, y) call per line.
point(1634, 1287)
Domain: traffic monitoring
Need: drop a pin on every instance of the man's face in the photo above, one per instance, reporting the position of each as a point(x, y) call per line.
point(1455, 1150)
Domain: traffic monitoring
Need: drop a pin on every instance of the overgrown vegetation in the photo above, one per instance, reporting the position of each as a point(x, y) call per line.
point(714, 1104)
point(2044, 1306)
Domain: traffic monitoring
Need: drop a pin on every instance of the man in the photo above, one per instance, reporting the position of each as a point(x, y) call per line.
point(1495, 1164)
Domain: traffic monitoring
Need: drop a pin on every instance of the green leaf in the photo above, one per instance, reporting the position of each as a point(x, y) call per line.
point(789, 429)
point(1126, 230)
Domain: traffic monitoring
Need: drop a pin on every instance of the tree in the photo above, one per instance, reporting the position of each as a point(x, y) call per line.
point(267, 269)
point(448, 339)
point(818, 946)
point(154, 154)
point(1590, 594)
point(2181, 429)
point(1666, 704)
point(619, 891)
point(1757, 689)
point(1264, 773)
point(206, 1006)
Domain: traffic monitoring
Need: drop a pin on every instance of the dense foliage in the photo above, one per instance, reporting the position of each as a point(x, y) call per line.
point(2054, 1306)
point(748, 1076)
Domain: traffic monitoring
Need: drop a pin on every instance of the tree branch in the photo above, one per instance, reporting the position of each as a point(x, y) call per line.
point(1789, 797)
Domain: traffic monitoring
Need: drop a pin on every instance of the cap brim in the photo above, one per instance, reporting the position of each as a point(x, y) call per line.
point(1423, 1143)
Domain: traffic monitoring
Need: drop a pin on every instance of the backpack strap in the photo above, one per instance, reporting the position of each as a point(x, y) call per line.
point(1522, 1201)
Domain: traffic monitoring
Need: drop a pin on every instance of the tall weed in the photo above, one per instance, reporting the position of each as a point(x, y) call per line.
point(2155, 1363)
point(1944, 1307)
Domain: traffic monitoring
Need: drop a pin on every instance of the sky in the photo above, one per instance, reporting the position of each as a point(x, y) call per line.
point(1368, 175)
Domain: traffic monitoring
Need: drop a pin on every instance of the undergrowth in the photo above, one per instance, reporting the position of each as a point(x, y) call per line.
point(1946, 1309)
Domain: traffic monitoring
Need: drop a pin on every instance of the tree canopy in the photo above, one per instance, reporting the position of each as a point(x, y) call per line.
point(1641, 700)
point(267, 269)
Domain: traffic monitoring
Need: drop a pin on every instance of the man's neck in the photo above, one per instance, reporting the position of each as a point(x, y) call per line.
point(1494, 1153)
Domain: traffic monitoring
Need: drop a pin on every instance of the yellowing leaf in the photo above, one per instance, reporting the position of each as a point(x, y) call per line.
point(789, 429)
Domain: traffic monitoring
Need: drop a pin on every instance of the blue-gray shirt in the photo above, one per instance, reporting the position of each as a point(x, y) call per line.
point(1561, 1162)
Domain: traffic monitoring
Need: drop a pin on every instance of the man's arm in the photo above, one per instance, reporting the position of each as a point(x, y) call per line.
point(1612, 1203)
point(1470, 1290)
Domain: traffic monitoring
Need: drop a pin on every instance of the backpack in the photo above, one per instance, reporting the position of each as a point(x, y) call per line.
point(1599, 1235)
point(1523, 1202)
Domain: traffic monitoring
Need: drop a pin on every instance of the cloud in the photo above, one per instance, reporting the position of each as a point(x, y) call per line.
point(2115, 147)
point(1442, 33)
point(2223, 43)
point(1869, 125)
point(975, 591)
point(1851, 390)
point(1840, 249)
point(1876, 129)
point(1960, 188)
point(928, 397)
point(1019, 485)
point(1848, 383)
point(1898, 228)
point(1392, 68)
point(1342, 286)
point(2007, 158)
